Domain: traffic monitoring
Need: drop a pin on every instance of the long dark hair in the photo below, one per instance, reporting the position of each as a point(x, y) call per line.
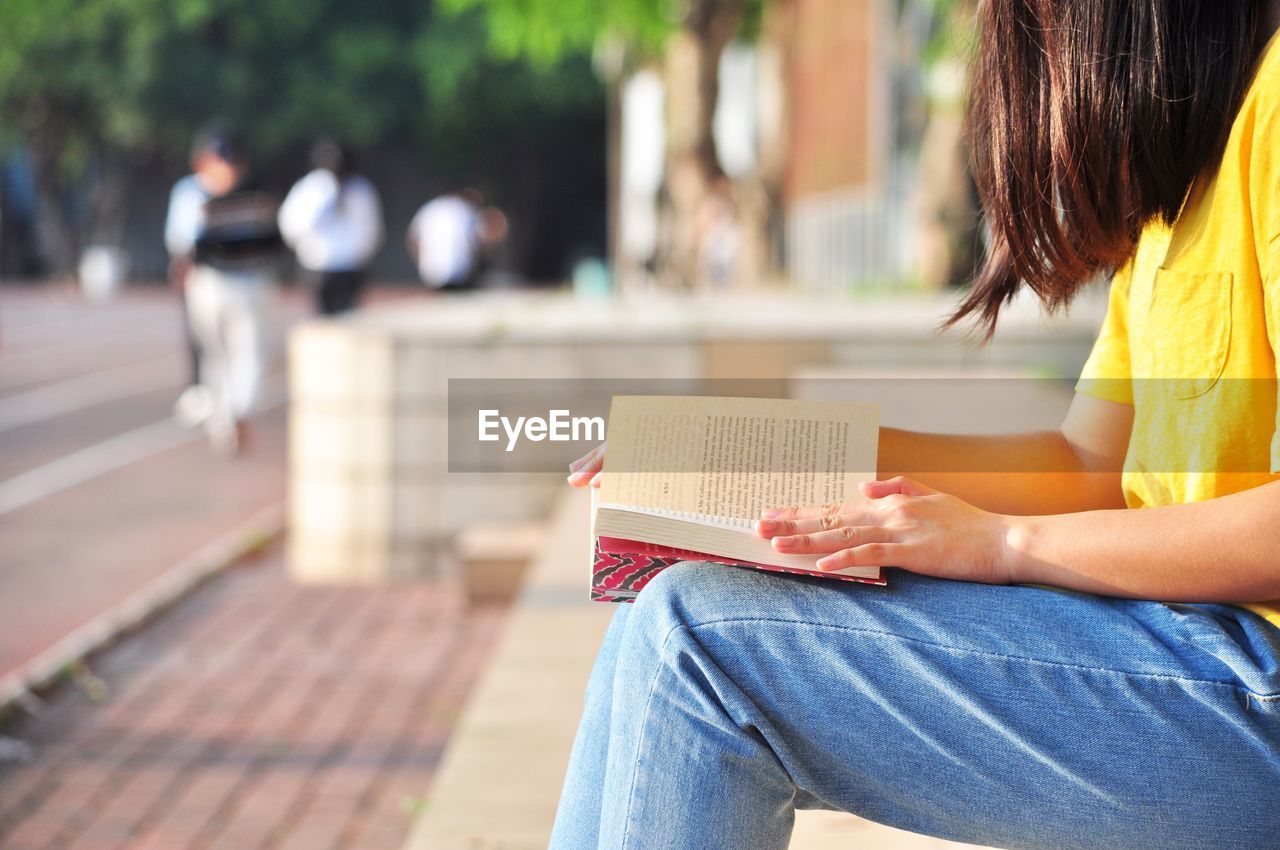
point(1088, 119)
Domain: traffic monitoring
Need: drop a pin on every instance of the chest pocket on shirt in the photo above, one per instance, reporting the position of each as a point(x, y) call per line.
point(1190, 329)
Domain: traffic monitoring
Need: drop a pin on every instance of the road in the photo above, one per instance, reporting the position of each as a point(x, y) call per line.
point(101, 492)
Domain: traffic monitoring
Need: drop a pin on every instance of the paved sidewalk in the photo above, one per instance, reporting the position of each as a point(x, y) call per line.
point(254, 714)
point(101, 493)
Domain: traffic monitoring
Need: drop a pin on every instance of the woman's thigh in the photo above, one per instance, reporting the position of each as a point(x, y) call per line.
point(1016, 716)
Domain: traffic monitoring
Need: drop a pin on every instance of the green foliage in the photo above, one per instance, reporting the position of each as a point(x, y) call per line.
point(54, 80)
point(548, 31)
point(469, 94)
point(137, 77)
point(84, 80)
point(97, 91)
point(284, 70)
point(951, 32)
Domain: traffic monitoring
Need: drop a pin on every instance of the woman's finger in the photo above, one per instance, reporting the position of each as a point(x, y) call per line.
point(584, 469)
point(795, 512)
point(859, 515)
point(595, 456)
point(582, 477)
point(899, 484)
point(870, 555)
point(825, 542)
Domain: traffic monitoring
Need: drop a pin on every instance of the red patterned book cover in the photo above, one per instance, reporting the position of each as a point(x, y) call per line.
point(622, 568)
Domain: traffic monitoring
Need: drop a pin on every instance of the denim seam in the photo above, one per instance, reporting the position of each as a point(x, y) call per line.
point(644, 724)
point(979, 652)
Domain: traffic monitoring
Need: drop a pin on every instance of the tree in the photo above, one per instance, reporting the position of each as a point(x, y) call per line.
point(88, 86)
point(693, 168)
point(948, 240)
point(691, 40)
point(58, 101)
point(95, 89)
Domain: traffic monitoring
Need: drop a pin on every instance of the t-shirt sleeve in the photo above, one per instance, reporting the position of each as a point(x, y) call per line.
point(182, 224)
point(1264, 202)
point(1108, 374)
point(1271, 289)
point(1264, 171)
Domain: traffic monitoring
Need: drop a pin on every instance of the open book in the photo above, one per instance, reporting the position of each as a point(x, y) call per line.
point(686, 478)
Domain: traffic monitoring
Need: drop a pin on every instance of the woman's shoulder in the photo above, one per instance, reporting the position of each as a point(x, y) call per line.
point(1259, 141)
point(1265, 89)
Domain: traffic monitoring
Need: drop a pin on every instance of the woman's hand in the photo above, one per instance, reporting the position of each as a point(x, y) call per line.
point(899, 523)
point(586, 469)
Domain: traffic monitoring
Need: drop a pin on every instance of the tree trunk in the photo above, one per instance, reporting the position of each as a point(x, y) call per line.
point(947, 224)
point(692, 86)
point(55, 231)
point(947, 234)
point(107, 203)
point(759, 196)
point(6, 262)
point(613, 177)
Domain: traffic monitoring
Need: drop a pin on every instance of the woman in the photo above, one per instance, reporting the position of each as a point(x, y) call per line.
point(1012, 687)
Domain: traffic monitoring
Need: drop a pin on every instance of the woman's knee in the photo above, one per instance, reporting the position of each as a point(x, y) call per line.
point(658, 625)
point(684, 586)
point(692, 593)
point(670, 600)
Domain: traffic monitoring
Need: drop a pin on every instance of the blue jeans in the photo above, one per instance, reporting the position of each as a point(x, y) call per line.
point(724, 699)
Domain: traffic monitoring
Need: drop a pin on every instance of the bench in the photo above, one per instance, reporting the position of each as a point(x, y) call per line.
point(500, 777)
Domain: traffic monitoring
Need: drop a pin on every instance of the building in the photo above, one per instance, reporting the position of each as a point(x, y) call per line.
point(807, 127)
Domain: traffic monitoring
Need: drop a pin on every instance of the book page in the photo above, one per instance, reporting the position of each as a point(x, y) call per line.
point(721, 460)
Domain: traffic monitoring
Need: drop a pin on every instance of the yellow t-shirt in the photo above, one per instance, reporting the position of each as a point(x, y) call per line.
point(1193, 327)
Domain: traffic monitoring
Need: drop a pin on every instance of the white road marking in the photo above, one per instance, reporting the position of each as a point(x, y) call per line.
point(109, 455)
point(69, 323)
point(85, 391)
point(29, 364)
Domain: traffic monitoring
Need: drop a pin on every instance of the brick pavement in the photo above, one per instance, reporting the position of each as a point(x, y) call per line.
point(85, 387)
point(254, 714)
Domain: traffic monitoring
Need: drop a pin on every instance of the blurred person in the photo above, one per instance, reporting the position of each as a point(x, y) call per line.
point(448, 237)
point(232, 244)
point(182, 226)
point(332, 218)
point(716, 226)
point(1079, 646)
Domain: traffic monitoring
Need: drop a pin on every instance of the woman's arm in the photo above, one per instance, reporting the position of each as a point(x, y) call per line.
point(1075, 468)
point(1220, 550)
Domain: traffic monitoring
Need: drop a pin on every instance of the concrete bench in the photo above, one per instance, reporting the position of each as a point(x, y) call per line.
point(500, 779)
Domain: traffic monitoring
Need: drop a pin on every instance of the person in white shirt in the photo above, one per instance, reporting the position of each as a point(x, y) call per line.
point(222, 229)
point(332, 218)
point(447, 236)
point(181, 227)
